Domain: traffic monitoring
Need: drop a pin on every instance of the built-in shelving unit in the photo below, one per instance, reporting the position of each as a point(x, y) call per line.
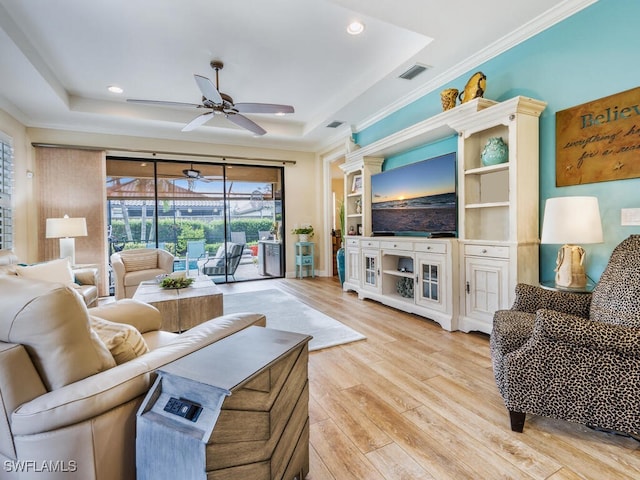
point(497, 219)
point(357, 193)
point(498, 209)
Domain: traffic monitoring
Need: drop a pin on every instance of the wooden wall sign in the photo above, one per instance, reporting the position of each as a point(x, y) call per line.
point(599, 141)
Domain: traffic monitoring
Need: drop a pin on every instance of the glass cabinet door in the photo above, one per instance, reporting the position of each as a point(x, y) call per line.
point(431, 281)
point(371, 270)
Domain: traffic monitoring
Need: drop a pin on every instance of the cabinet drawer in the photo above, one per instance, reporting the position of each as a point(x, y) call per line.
point(397, 245)
point(431, 247)
point(487, 251)
point(370, 244)
point(353, 242)
point(304, 259)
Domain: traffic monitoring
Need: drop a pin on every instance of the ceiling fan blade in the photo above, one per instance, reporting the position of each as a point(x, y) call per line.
point(262, 108)
point(163, 103)
point(244, 122)
point(208, 89)
point(198, 121)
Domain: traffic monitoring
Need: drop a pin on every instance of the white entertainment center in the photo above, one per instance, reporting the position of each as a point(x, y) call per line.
point(457, 282)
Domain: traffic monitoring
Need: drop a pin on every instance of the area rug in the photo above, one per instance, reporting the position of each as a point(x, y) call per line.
point(285, 312)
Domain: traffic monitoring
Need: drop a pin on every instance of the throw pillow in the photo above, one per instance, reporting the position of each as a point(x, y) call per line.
point(123, 341)
point(53, 271)
point(139, 261)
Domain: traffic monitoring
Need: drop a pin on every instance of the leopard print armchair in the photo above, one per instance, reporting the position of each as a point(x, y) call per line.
point(574, 356)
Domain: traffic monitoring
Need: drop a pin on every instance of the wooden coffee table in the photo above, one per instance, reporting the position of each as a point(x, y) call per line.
point(183, 308)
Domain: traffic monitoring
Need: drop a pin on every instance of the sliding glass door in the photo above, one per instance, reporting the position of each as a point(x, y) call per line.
point(211, 217)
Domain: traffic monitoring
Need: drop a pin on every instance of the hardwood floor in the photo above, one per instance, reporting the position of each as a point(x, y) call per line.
point(414, 401)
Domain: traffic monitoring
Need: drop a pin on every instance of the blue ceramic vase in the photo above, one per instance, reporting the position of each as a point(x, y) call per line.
point(495, 152)
point(340, 262)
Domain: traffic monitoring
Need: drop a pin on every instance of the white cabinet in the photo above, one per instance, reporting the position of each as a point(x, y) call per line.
point(486, 290)
point(498, 209)
point(411, 274)
point(352, 264)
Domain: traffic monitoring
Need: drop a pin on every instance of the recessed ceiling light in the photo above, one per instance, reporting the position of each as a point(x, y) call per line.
point(114, 89)
point(355, 28)
point(280, 114)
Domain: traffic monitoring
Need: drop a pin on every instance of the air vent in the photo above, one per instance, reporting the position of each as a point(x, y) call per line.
point(335, 124)
point(413, 72)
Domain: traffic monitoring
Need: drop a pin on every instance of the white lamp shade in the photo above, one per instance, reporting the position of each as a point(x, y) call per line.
point(66, 227)
point(571, 220)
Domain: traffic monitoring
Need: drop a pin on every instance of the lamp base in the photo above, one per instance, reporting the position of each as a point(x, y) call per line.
point(569, 267)
point(68, 249)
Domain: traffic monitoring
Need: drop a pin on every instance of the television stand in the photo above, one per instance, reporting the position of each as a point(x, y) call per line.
point(413, 274)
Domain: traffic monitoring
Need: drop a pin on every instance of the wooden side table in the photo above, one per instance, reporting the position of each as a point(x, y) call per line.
point(551, 285)
point(305, 259)
point(237, 409)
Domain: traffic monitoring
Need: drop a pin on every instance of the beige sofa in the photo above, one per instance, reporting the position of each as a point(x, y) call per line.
point(130, 267)
point(85, 280)
point(68, 409)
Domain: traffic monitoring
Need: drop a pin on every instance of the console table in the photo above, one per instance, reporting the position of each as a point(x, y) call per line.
point(236, 409)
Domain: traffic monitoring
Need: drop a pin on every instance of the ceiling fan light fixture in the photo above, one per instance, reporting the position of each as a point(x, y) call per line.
point(218, 103)
point(191, 173)
point(355, 28)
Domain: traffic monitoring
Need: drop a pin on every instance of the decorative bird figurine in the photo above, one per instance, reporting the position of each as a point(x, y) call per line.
point(474, 88)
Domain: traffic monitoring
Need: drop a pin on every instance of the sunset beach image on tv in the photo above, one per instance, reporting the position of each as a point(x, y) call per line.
point(416, 198)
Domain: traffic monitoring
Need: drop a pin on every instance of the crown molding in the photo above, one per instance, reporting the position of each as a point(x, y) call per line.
point(542, 22)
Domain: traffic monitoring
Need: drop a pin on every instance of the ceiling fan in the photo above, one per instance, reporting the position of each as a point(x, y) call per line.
point(191, 173)
point(219, 103)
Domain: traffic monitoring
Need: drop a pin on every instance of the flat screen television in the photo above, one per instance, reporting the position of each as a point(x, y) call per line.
point(419, 199)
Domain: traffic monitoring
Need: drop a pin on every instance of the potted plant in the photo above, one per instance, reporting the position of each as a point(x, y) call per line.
point(304, 233)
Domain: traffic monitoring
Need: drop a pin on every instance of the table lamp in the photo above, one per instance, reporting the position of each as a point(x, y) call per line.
point(66, 229)
point(569, 221)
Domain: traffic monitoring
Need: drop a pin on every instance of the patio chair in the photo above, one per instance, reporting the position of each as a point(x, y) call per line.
point(196, 252)
point(196, 249)
point(241, 237)
point(228, 256)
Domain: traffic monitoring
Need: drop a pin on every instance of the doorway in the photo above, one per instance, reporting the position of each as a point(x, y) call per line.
point(213, 218)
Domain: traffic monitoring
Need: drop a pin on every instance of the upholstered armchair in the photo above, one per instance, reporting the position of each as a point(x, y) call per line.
point(84, 280)
point(130, 267)
point(574, 356)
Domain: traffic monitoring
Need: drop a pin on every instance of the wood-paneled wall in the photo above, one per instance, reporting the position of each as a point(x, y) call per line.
point(73, 182)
